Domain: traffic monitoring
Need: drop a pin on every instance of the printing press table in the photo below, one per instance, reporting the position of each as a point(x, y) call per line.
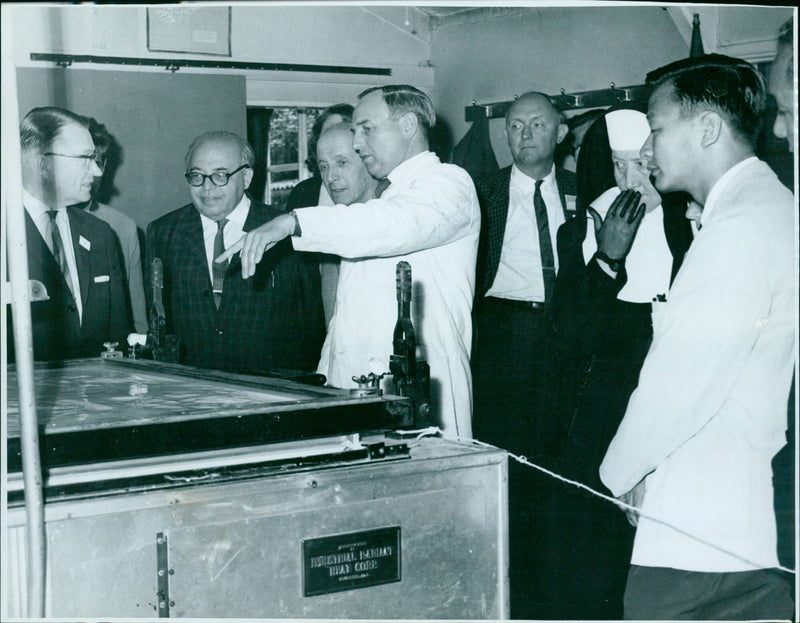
point(171, 491)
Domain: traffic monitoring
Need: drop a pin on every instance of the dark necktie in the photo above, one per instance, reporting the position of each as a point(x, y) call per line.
point(218, 268)
point(545, 243)
point(58, 249)
point(382, 186)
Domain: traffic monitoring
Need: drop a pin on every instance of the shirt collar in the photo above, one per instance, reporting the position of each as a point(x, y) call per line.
point(35, 207)
point(527, 183)
point(236, 218)
point(408, 168)
point(719, 186)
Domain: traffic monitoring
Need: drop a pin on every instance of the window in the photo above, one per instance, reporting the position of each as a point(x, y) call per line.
point(281, 138)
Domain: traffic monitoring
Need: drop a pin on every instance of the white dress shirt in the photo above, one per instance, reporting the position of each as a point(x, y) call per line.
point(709, 412)
point(38, 211)
point(231, 233)
point(429, 216)
point(519, 273)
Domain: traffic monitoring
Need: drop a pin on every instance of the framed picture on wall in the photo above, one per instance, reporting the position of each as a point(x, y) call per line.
point(198, 30)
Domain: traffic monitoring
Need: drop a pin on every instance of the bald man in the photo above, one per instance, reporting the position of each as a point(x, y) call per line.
point(311, 192)
point(522, 207)
point(345, 180)
point(270, 322)
point(781, 85)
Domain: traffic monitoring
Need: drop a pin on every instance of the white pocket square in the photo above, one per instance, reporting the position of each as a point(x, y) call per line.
point(101, 278)
point(84, 243)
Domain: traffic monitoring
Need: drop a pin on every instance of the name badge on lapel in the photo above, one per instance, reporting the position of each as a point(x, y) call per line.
point(101, 278)
point(85, 244)
point(572, 208)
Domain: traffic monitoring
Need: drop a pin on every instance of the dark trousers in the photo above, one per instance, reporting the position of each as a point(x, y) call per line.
point(659, 593)
point(512, 380)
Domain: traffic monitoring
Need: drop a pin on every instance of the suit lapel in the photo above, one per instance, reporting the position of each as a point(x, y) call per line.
point(41, 262)
point(564, 188)
point(498, 205)
point(192, 244)
point(83, 258)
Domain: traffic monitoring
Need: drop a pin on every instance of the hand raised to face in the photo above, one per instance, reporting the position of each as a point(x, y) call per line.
point(615, 233)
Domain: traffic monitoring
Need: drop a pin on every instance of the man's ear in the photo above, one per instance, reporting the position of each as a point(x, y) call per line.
point(42, 166)
point(710, 126)
point(563, 128)
point(248, 177)
point(409, 125)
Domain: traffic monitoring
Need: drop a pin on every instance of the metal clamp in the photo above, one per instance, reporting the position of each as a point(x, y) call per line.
point(163, 602)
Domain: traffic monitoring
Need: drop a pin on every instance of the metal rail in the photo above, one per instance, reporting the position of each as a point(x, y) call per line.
point(174, 64)
point(14, 216)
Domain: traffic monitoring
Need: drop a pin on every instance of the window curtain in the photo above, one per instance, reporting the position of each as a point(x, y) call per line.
point(258, 137)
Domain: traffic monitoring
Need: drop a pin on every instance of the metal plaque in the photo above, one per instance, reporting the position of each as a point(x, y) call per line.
point(349, 561)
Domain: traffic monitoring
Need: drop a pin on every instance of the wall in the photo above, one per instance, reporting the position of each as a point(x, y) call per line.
point(153, 117)
point(546, 50)
point(143, 106)
point(338, 35)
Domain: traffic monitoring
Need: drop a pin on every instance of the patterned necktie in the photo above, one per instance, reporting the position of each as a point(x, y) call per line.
point(382, 186)
point(218, 268)
point(545, 243)
point(58, 249)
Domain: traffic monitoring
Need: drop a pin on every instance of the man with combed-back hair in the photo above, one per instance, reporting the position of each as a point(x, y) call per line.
point(74, 254)
point(271, 322)
point(693, 450)
point(428, 215)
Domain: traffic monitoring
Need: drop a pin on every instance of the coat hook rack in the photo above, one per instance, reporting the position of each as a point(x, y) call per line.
point(598, 98)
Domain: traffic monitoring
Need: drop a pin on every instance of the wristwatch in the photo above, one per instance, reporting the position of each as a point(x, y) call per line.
point(615, 265)
point(297, 231)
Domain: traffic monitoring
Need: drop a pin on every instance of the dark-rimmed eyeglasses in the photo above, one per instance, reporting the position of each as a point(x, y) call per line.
point(95, 157)
point(218, 178)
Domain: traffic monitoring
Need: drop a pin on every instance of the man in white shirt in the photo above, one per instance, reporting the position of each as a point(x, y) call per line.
point(693, 450)
point(274, 320)
point(428, 216)
point(522, 207)
point(73, 254)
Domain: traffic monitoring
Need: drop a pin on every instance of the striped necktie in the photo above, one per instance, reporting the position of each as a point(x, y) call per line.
point(545, 242)
point(57, 246)
point(218, 269)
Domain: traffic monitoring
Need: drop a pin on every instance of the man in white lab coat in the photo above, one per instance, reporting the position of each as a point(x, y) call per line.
point(428, 216)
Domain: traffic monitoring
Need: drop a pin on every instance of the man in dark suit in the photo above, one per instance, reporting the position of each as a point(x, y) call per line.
point(311, 192)
point(73, 254)
point(522, 207)
point(270, 322)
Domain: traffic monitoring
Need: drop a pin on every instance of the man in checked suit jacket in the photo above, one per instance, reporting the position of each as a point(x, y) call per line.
point(78, 262)
point(511, 368)
point(270, 322)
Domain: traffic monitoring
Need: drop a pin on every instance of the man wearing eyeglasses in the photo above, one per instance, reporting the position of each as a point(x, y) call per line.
point(273, 321)
point(73, 254)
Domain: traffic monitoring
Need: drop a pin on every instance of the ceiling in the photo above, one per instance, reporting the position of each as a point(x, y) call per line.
point(446, 15)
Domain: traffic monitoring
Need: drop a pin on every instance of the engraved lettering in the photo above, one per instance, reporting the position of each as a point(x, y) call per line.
point(366, 565)
point(335, 570)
